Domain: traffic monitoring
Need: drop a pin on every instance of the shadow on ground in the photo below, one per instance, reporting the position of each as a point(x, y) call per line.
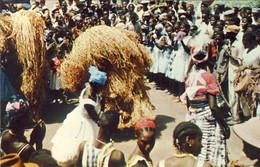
point(56, 113)
point(124, 135)
point(161, 123)
point(129, 134)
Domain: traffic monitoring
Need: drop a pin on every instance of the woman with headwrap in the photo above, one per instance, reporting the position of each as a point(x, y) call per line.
point(16, 119)
point(82, 123)
point(145, 133)
point(201, 91)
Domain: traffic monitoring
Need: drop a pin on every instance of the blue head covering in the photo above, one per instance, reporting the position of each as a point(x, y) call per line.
point(97, 76)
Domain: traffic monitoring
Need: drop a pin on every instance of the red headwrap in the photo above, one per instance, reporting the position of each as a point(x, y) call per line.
point(144, 123)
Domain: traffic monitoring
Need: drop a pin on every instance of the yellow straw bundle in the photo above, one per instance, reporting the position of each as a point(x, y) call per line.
point(123, 58)
point(5, 31)
point(28, 30)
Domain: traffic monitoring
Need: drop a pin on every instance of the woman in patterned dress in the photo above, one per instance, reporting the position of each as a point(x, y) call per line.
point(201, 91)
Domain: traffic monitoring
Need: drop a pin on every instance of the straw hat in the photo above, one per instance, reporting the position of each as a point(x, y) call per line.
point(146, 13)
point(121, 26)
point(19, 6)
point(145, 1)
point(55, 8)
point(13, 160)
point(208, 2)
point(228, 12)
point(189, 5)
point(153, 7)
point(249, 131)
point(232, 28)
point(256, 10)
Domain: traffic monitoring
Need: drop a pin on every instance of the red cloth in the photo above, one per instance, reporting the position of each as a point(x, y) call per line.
point(57, 63)
point(213, 52)
point(211, 85)
point(144, 123)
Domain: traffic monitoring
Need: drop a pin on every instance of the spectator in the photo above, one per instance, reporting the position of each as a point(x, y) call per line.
point(249, 65)
point(133, 24)
point(181, 60)
point(255, 15)
point(55, 77)
point(14, 160)
point(43, 158)
point(246, 21)
point(42, 4)
point(145, 134)
point(16, 119)
point(249, 133)
point(235, 48)
point(103, 153)
point(201, 92)
point(187, 138)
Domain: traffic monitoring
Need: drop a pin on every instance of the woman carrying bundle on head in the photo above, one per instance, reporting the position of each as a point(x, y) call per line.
point(187, 140)
point(82, 123)
point(201, 91)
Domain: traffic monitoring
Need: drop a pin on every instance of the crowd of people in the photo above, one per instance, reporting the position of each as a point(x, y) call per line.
point(207, 56)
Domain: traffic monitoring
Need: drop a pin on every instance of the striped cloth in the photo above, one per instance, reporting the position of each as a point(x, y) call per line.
point(214, 146)
point(94, 157)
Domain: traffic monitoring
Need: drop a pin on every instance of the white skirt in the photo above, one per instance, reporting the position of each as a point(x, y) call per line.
point(55, 83)
point(75, 129)
point(180, 65)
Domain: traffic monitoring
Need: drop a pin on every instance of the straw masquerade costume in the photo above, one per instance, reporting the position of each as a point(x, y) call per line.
point(78, 125)
point(118, 53)
point(22, 45)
